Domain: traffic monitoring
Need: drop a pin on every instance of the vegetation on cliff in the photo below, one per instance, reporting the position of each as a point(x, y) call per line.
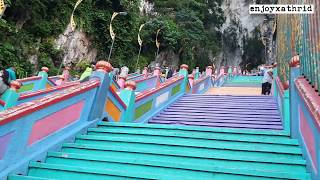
point(29, 28)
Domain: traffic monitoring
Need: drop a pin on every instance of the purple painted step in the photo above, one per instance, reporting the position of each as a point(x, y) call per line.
point(161, 118)
point(226, 125)
point(252, 112)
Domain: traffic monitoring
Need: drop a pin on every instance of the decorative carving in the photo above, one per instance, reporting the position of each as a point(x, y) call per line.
point(130, 85)
point(190, 76)
point(45, 69)
point(123, 77)
point(104, 66)
point(184, 66)
point(15, 85)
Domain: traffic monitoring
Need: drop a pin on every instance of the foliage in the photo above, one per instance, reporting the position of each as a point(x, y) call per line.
point(189, 27)
point(29, 27)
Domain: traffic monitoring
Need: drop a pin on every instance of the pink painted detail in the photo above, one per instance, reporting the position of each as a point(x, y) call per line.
point(209, 71)
point(308, 139)
point(141, 80)
point(27, 108)
point(45, 91)
point(116, 83)
point(121, 82)
point(149, 92)
point(4, 142)
point(2, 102)
point(222, 71)
point(54, 122)
point(157, 71)
point(118, 98)
point(311, 99)
point(29, 79)
point(200, 80)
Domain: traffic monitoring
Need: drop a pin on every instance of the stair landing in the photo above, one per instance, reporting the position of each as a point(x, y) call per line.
point(236, 91)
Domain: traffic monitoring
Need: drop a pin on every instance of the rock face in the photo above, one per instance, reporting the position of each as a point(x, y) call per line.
point(238, 26)
point(167, 58)
point(76, 46)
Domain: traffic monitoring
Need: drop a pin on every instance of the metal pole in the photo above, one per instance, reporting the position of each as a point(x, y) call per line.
point(111, 50)
point(138, 57)
point(60, 68)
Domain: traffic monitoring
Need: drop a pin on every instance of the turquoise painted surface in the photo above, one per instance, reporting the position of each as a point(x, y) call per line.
point(127, 151)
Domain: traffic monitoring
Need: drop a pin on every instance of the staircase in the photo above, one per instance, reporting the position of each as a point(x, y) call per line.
point(153, 151)
point(253, 112)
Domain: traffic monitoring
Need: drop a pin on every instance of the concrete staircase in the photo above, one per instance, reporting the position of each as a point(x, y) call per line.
point(153, 151)
point(254, 112)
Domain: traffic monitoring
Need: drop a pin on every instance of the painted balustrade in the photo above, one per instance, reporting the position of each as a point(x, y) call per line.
point(201, 85)
point(147, 83)
point(141, 107)
point(10, 96)
point(36, 82)
point(305, 119)
point(150, 102)
point(300, 110)
point(282, 97)
point(34, 87)
point(29, 96)
point(30, 129)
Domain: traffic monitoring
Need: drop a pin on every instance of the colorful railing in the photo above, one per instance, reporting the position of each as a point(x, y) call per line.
point(29, 130)
point(300, 110)
point(150, 102)
point(147, 83)
point(29, 96)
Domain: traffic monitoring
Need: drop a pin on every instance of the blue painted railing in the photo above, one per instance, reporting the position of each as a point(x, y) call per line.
point(300, 110)
point(29, 130)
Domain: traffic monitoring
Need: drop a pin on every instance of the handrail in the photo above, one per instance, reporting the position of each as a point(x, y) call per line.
point(132, 77)
point(147, 93)
point(310, 98)
point(2, 102)
point(200, 80)
point(118, 98)
point(116, 83)
point(21, 110)
point(44, 91)
point(33, 78)
point(141, 80)
point(280, 86)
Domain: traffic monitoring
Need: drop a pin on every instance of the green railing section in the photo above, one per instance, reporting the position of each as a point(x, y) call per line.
point(299, 35)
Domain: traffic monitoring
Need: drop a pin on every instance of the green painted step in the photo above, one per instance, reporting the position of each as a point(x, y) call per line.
point(18, 177)
point(186, 152)
point(85, 173)
point(178, 167)
point(143, 151)
point(195, 128)
point(183, 142)
point(113, 131)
